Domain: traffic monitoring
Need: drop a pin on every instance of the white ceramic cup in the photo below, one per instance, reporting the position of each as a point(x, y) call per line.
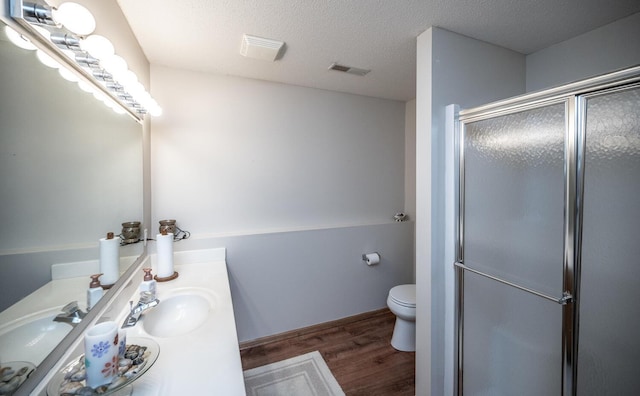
point(122, 343)
point(101, 353)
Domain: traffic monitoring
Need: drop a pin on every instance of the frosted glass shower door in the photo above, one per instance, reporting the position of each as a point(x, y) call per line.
point(609, 337)
point(513, 229)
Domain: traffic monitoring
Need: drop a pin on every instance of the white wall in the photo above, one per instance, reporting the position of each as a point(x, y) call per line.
point(608, 48)
point(451, 69)
point(272, 172)
point(239, 155)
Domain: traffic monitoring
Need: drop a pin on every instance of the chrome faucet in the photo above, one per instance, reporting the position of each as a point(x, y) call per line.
point(147, 300)
point(71, 314)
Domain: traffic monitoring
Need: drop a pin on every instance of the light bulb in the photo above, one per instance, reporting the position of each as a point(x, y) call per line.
point(67, 75)
point(155, 111)
point(97, 46)
point(114, 65)
point(136, 90)
point(145, 99)
point(47, 60)
point(75, 18)
point(18, 40)
point(127, 79)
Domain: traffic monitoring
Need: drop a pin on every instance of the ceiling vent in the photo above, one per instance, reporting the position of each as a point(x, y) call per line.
point(348, 69)
point(261, 48)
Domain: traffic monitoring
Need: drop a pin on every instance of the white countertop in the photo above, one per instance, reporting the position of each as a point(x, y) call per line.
point(206, 360)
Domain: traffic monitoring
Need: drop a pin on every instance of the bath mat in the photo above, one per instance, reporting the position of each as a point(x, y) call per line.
point(302, 375)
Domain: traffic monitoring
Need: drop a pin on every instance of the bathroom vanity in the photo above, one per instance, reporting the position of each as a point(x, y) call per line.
point(193, 326)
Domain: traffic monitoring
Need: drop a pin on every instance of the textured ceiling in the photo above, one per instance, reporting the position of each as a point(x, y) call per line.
point(205, 35)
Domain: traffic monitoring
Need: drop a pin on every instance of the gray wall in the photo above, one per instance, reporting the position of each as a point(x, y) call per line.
point(297, 183)
point(287, 280)
point(451, 69)
point(608, 48)
point(410, 158)
point(456, 69)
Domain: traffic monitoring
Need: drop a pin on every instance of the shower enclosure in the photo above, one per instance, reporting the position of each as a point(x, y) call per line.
point(548, 254)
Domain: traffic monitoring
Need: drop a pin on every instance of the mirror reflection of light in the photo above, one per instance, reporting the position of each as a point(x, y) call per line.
point(99, 95)
point(18, 40)
point(37, 339)
point(118, 110)
point(47, 60)
point(85, 87)
point(67, 75)
point(76, 43)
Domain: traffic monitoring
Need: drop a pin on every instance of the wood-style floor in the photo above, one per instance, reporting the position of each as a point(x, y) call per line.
point(356, 349)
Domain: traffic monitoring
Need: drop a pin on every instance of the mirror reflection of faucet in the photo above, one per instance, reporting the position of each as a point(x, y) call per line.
point(71, 314)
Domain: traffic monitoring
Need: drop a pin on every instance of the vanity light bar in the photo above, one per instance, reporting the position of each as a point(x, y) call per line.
point(65, 32)
point(38, 14)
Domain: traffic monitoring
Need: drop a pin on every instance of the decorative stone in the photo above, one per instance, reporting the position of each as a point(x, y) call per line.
point(70, 388)
point(125, 363)
point(128, 367)
point(12, 377)
point(79, 375)
point(86, 391)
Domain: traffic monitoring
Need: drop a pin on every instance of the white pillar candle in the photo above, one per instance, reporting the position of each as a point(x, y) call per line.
point(101, 353)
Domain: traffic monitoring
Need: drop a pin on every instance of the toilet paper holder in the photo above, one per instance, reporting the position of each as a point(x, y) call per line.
point(371, 258)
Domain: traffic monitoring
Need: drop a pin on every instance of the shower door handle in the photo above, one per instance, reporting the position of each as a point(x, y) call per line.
point(564, 300)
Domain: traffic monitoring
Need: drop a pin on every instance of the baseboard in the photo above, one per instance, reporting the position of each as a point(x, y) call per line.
point(310, 329)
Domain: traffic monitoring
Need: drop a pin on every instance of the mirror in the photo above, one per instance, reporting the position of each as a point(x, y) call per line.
point(71, 170)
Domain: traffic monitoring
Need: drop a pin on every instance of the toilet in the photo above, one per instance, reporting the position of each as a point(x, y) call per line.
point(402, 302)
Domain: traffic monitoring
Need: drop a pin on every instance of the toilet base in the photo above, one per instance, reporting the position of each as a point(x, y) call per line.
point(404, 336)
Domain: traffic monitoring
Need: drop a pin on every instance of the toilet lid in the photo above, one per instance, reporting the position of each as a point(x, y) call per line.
point(404, 295)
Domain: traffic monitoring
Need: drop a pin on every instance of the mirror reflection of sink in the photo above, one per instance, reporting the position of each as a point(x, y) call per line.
point(179, 313)
point(32, 338)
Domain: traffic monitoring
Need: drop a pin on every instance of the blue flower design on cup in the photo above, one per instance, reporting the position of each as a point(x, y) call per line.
point(100, 349)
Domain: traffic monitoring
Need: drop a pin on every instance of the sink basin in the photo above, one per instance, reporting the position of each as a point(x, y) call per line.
point(179, 313)
point(32, 338)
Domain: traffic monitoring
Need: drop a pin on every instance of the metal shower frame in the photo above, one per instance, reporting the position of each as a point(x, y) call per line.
point(574, 97)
